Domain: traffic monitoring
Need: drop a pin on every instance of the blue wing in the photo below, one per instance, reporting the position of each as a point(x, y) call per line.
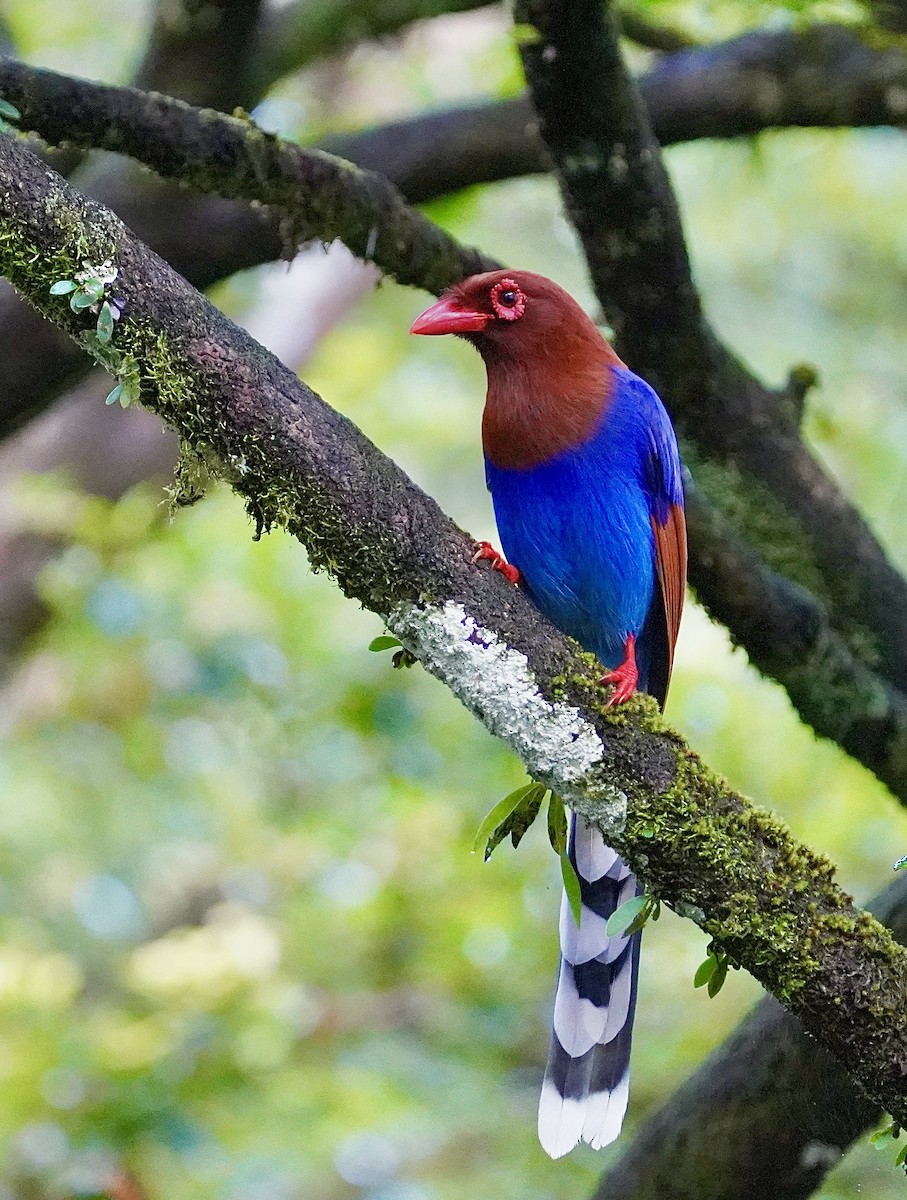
point(582, 526)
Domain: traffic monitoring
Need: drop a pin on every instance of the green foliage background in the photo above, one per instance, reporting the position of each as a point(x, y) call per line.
point(244, 946)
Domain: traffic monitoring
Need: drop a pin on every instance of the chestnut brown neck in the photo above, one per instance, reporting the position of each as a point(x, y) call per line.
point(546, 401)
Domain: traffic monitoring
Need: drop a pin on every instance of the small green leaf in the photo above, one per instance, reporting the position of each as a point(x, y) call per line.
point(518, 821)
point(901, 863)
point(383, 642)
point(9, 111)
point(691, 911)
point(557, 824)
point(571, 887)
point(105, 324)
point(521, 818)
point(705, 971)
point(81, 300)
point(622, 918)
point(403, 660)
point(131, 391)
point(902, 1156)
point(62, 287)
point(716, 983)
point(498, 814)
point(113, 396)
point(888, 1130)
point(93, 288)
point(640, 920)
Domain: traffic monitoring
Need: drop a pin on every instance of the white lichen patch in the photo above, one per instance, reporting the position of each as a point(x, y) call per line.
point(558, 746)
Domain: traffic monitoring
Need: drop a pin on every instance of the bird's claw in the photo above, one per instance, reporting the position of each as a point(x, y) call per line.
point(625, 677)
point(497, 560)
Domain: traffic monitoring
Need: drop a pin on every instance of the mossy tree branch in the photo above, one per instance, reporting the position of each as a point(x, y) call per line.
point(769, 1113)
point(787, 632)
point(770, 902)
point(317, 195)
point(618, 194)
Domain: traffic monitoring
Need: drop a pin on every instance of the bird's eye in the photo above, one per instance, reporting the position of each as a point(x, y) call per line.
point(507, 300)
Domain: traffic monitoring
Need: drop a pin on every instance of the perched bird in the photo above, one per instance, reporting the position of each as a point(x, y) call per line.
point(583, 469)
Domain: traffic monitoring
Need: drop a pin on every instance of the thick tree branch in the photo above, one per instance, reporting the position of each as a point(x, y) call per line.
point(619, 197)
point(787, 632)
point(769, 1113)
point(771, 902)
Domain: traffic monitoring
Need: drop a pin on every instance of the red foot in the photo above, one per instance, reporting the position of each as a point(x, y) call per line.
point(497, 560)
point(626, 676)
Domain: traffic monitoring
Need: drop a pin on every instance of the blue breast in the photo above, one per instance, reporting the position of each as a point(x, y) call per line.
point(579, 528)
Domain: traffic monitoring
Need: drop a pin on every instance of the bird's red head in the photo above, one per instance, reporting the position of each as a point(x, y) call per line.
point(504, 308)
point(548, 366)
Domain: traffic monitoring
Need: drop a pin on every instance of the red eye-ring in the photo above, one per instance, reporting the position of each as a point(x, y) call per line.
point(507, 300)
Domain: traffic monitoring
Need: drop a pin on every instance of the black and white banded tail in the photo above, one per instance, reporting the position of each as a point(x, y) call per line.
point(587, 1079)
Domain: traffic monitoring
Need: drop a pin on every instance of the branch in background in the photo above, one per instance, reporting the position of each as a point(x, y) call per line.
point(823, 76)
point(636, 27)
point(619, 197)
point(201, 52)
point(296, 34)
point(769, 901)
point(97, 453)
point(788, 634)
point(890, 14)
point(435, 153)
point(769, 1113)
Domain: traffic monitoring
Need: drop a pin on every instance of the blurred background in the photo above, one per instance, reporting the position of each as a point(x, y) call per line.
point(245, 951)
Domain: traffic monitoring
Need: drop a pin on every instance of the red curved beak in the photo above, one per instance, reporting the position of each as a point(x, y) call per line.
point(446, 317)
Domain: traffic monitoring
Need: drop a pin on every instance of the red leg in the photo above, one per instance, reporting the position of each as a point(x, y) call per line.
point(626, 676)
point(497, 560)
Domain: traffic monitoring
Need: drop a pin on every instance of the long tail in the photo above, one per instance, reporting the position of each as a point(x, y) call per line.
point(587, 1078)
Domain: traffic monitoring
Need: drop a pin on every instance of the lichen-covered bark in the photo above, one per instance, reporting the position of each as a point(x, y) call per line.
point(617, 193)
point(771, 903)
